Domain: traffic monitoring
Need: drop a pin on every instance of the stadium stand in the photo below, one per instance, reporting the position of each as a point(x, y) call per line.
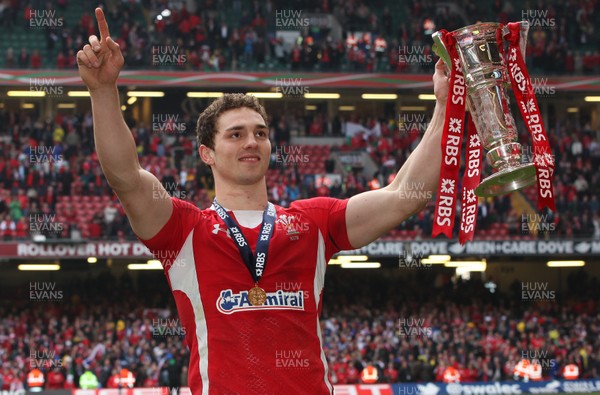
point(109, 323)
point(76, 191)
point(104, 323)
point(213, 39)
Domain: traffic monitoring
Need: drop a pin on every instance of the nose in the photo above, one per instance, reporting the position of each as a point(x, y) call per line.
point(250, 141)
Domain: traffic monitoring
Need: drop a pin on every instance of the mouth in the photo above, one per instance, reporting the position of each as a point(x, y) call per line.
point(249, 158)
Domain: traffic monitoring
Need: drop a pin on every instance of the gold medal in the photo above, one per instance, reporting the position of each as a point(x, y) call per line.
point(257, 296)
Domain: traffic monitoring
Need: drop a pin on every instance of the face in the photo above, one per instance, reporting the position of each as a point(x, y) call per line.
point(242, 147)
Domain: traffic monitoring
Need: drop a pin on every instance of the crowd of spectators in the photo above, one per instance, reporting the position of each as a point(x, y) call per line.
point(43, 160)
point(232, 35)
point(412, 328)
point(409, 326)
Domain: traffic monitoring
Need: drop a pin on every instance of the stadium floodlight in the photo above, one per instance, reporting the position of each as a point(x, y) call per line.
point(329, 96)
point(426, 97)
point(204, 94)
point(145, 94)
point(26, 93)
point(66, 105)
point(442, 258)
point(78, 93)
point(92, 259)
point(38, 267)
point(123, 107)
point(436, 259)
point(413, 108)
point(310, 107)
point(346, 108)
point(266, 95)
point(471, 266)
point(341, 259)
point(379, 96)
point(27, 106)
point(152, 264)
point(361, 265)
point(131, 100)
point(573, 109)
point(565, 263)
point(353, 258)
point(592, 99)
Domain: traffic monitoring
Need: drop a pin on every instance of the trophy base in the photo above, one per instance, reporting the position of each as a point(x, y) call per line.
point(507, 181)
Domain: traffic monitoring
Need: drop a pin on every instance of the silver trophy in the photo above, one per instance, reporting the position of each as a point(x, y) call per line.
point(486, 79)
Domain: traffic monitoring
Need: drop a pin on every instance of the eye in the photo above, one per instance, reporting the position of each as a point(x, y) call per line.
point(261, 133)
point(235, 135)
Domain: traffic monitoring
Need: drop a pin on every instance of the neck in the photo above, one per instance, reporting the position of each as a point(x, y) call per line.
point(242, 197)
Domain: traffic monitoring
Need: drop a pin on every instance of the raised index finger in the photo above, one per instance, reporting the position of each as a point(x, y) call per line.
point(102, 25)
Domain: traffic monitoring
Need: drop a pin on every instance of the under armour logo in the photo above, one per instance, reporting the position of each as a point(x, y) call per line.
point(217, 228)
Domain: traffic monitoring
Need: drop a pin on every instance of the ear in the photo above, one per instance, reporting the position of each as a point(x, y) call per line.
point(207, 155)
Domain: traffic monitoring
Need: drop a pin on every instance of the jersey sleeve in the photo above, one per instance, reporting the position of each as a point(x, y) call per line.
point(330, 216)
point(167, 243)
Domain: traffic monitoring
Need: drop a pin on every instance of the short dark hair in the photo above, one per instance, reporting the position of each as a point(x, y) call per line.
point(207, 121)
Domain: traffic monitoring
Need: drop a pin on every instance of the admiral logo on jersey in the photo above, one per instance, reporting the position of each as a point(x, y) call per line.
point(229, 303)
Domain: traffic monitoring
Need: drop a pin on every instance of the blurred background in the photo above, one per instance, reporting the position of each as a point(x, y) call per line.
point(347, 85)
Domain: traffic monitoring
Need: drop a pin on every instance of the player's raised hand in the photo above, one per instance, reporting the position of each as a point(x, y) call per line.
point(440, 82)
point(100, 62)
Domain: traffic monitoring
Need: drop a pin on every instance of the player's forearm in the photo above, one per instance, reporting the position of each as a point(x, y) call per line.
point(115, 145)
point(421, 171)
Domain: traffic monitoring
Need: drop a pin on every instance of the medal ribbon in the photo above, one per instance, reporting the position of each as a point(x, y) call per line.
point(445, 206)
point(255, 264)
point(471, 178)
point(521, 84)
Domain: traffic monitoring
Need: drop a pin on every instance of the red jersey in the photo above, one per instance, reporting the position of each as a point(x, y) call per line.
point(236, 347)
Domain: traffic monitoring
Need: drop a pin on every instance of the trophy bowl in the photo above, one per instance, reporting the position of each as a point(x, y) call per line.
point(486, 78)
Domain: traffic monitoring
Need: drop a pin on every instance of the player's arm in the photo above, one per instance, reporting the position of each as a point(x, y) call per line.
point(372, 214)
point(147, 204)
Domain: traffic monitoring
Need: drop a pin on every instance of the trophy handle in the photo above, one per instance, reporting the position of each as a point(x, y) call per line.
point(440, 49)
point(523, 39)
